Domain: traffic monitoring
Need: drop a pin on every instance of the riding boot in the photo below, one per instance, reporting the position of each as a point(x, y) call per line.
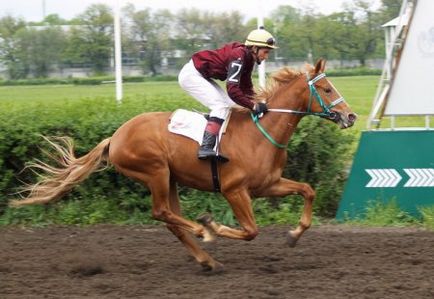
point(206, 150)
point(209, 140)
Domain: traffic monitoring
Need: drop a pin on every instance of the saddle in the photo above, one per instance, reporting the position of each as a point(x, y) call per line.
point(192, 124)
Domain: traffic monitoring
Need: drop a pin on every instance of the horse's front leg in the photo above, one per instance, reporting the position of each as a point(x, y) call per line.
point(241, 204)
point(286, 187)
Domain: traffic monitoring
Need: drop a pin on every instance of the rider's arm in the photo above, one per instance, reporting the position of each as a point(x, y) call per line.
point(238, 87)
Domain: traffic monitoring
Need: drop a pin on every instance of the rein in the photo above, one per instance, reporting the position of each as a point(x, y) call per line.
point(255, 119)
point(326, 112)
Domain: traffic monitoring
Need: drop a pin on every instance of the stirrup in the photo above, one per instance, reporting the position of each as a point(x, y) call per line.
point(213, 155)
point(222, 158)
point(204, 154)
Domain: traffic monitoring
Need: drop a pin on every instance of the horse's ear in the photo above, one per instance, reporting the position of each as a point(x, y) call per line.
point(320, 66)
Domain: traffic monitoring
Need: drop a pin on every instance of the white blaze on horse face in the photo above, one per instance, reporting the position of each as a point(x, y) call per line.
point(337, 92)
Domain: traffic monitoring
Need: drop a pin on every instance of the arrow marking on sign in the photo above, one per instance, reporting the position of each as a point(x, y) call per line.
point(420, 177)
point(386, 178)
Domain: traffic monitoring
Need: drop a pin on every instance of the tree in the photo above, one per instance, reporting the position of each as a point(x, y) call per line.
point(91, 41)
point(51, 19)
point(302, 35)
point(300, 38)
point(368, 33)
point(41, 48)
point(9, 48)
point(390, 9)
point(150, 35)
point(226, 27)
point(341, 30)
point(191, 29)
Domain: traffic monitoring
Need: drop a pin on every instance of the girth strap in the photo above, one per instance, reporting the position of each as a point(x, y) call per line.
point(215, 174)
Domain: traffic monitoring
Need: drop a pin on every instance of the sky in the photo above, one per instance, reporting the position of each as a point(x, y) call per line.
point(32, 10)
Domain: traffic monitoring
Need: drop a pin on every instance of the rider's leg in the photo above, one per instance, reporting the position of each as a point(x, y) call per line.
point(210, 136)
point(210, 94)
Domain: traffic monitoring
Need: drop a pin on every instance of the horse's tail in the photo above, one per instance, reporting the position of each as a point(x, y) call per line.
point(57, 181)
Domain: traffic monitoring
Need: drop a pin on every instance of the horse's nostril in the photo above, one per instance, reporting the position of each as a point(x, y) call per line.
point(352, 117)
point(333, 115)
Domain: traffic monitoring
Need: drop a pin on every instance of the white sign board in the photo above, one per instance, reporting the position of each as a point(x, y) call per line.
point(412, 90)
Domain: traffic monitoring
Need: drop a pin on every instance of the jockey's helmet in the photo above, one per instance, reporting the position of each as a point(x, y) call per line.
point(261, 38)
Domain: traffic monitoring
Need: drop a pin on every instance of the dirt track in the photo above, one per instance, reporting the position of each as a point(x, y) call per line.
point(148, 262)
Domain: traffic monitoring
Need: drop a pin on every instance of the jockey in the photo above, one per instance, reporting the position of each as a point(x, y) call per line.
point(234, 64)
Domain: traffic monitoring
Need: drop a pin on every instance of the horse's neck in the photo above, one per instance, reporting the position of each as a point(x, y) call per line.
point(281, 125)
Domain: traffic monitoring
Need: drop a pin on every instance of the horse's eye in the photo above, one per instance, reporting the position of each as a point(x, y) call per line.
point(328, 90)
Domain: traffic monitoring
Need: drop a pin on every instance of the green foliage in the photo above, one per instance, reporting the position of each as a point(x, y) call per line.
point(39, 81)
point(41, 48)
point(427, 216)
point(87, 80)
point(194, 202)
point(91, 43)
point(9, 51)
point(385, 213)
point(78, 211)
point(149, 35)
point(271, 211)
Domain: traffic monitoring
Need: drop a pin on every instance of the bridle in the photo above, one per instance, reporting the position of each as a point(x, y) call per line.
point(326, 109)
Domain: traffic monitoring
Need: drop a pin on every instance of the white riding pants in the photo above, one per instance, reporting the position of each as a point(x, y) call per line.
point(207, 92)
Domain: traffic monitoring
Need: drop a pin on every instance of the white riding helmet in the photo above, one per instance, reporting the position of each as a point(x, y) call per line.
point(261, 38)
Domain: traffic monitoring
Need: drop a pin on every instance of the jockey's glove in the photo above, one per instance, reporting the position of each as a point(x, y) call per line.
point(260, 108)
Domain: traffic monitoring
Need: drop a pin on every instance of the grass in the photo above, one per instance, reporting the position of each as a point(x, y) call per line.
point(72, 92)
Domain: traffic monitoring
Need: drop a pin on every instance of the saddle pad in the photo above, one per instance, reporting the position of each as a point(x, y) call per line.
point(188, 123)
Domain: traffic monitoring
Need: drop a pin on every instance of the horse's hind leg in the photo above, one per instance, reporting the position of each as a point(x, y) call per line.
point(189, 242)
point(159, 186)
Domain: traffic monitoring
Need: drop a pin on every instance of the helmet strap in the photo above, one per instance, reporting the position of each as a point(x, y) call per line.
point(255, 51)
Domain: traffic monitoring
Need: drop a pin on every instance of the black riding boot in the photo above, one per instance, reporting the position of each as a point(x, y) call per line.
point(206, 150)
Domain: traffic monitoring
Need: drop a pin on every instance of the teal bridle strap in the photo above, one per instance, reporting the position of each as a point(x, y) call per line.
point(255, 119)
point(314, 93)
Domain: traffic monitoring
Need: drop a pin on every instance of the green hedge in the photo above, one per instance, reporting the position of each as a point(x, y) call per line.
point(318, 154)
point(86, 80)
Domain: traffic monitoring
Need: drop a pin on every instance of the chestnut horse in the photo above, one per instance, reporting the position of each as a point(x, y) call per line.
point(143, 149)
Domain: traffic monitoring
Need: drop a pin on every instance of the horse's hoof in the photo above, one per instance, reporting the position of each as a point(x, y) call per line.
point(204, 219)
point(291, 240)
point(208, 236)
point(213, 268)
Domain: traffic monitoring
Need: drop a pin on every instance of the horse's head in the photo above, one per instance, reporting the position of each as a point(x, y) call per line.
point(322, 98)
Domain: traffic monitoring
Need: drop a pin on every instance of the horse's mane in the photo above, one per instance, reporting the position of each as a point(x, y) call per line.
point(279, 78)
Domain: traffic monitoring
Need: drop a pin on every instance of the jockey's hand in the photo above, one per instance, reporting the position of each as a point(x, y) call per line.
point(260, 109)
